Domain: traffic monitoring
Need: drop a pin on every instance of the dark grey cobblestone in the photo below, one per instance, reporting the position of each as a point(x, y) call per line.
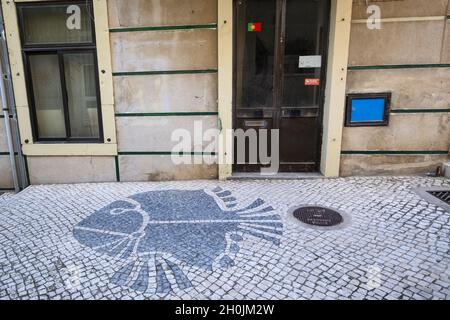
point(396, 245)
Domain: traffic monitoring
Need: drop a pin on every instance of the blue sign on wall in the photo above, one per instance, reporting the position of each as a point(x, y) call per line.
point(368, 109)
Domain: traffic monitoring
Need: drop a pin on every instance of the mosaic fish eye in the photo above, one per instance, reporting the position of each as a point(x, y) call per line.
point(162, 235)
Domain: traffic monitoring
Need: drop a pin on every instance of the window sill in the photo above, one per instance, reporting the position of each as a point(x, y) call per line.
point(78, 149)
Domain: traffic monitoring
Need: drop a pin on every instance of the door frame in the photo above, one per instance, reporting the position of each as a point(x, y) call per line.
point(278, 74)
point(334, 106)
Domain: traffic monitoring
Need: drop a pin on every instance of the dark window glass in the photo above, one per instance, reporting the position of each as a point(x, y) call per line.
point(60, 56)
point(82, 98)
point(57, 24)
point(48, 98)
point(303, 39)
point(255, 53)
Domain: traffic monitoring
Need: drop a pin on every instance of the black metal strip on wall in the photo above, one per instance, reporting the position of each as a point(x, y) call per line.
point(399, 66)
point(386, 152)
point(164, 28)
point(161, 72)
point(116, 160)
point(27, 170)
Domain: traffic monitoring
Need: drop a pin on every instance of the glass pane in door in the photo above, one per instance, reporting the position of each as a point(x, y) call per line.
point(255, 48)
point(303, 60)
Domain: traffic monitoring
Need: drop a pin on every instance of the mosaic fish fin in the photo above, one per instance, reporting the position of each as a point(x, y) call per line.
point(181, 279)
point(224, 194)
point(141, 283)
point(257, 203)
point(229, 199)
point(120, 278)
point(129, 250)
point(234, 248)
point(258, 212)
point(226, 262)
point(236, 237)
point(163, 285)
point(267, 224)
point(263, 229)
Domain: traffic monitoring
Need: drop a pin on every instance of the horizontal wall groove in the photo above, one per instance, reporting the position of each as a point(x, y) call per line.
point(165, 153)
point(376, 152)
point(402, 19)
point(403, 111)
point(150, 73)
point(7, 189)
point(167, 114)
point(165, 28)
point(400, 66)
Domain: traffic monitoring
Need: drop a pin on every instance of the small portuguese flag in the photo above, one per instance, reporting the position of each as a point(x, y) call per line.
point(254, 27)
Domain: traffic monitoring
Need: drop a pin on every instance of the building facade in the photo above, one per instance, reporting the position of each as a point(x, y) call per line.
point(98, 88)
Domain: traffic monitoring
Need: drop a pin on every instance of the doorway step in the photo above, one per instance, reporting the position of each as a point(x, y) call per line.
point(279, 176)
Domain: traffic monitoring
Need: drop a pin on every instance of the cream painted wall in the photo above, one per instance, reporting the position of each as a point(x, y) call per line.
point(414, 42)
point(165, 77)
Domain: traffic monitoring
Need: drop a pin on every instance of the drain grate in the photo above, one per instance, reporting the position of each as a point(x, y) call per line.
point(319, 216)
point(443, 195)
point(439, 196)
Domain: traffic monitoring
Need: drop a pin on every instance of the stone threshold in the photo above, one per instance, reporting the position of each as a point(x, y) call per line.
point(279, 176)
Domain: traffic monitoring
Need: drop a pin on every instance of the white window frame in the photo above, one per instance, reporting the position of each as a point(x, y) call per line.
point(31, 148)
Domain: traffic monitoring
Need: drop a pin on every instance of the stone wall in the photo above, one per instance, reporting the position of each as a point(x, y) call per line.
point(410, 57)
point(164, 57)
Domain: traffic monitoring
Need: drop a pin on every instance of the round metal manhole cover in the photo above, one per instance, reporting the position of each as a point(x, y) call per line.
point(319, 216)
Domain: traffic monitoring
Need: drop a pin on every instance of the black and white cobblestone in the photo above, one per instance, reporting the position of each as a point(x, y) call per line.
point(396, 245)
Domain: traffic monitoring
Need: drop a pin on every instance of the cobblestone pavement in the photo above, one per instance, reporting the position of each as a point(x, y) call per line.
point(5, 196)
point(224, 240)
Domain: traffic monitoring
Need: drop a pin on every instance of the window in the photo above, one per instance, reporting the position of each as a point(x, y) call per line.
point(368, 109)
point(58, 43)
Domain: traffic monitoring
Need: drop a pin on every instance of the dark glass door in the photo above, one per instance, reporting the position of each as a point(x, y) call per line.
point(279, 76)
